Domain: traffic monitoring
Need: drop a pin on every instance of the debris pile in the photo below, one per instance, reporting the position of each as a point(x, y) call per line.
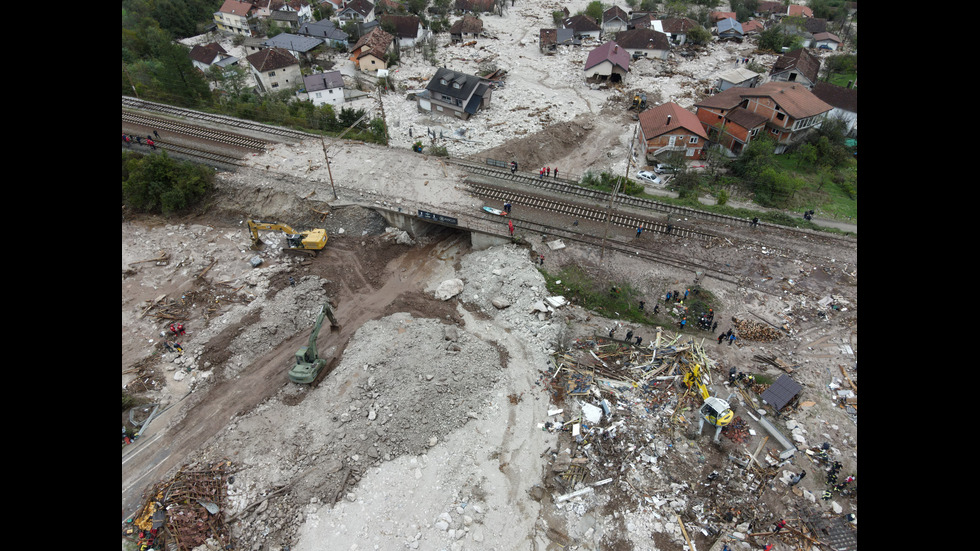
point(184, 512)
point(628, 429)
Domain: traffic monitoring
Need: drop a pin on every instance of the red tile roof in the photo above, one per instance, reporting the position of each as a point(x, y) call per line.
point(668, 117)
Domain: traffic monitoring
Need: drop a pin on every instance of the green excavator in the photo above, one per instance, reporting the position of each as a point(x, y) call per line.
point(308, 361)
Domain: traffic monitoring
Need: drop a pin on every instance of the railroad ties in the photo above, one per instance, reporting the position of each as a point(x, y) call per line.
point(143, 105)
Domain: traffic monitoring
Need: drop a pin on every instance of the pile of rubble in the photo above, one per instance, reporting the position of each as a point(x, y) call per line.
point(184, 512)
point(629, 432)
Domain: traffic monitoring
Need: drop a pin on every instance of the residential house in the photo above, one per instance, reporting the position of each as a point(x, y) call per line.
point(738, 78)
point(408, 29)
point(826, 41)
point(285, 19)
point(550, 39)
point(785, 111)
point(300, 46)
point(253, 44)
point(815, 25)
point(770, 9)
point(583, 26)
point(799, 66)
point(453, 93)
point(608, 61)
point(644, 42)
point(729, 28)
point(676, 29)
point(267, 9)
point(370, 53)
point(474, 6)
point(465, 29)
point(641, 20)
point(844, 101)
point(203, 56)
point(752, 26)
point(326, 31)
point(275, 69)
point(614, 20)
point(798, 10)
point(669, 128)
point(358, 11)
point(335, 5)
point(716, 16)
point(235, 17)
point(325, 88)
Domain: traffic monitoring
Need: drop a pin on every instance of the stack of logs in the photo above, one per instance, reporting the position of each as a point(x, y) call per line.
point(754, 331)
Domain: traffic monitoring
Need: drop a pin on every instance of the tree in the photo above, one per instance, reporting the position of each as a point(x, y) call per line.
point(159, 184)
point(594, 10)
point(699, 35)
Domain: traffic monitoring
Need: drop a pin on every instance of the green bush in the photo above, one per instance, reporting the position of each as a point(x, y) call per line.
point(158, 184)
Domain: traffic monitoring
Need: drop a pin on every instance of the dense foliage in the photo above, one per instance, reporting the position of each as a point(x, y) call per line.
point(158, 184)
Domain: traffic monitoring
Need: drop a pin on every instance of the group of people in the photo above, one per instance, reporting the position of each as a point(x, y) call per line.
point(808, 215)
point(629, 336)
point(730, 335)
point(129, 139)
point(546, 171)
point(176, 330)
point(707, 320)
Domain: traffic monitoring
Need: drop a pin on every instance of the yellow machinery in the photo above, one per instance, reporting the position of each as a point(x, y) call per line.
point(308, 242)
point(715, 410)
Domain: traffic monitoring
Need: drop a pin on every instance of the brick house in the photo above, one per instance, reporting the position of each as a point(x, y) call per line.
point(785, 111)
point(669, 128)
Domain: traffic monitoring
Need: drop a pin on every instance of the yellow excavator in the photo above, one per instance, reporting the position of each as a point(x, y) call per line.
point(715, 411)
point(308, 242)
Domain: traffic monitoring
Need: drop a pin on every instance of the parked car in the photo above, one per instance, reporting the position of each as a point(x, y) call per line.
point(661, 168)
point(649, 177)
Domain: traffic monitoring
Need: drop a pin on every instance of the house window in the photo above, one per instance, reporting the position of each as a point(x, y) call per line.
point(272, 73)
point(780, 116)
point(694, 139)
point(446, 98)
point(443, 81)
point(456, 85)
point(275, 85)
point(753, 132)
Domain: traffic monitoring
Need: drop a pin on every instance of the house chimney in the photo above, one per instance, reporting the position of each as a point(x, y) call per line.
point(615, 48)
point(668, 119)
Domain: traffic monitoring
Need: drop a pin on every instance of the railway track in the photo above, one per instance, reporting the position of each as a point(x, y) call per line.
point(571, 190)
point(190, 114)
point(201, 155)
point(579, 211)
point(195, 131)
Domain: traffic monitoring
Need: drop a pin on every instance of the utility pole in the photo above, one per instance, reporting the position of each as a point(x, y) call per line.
point(612, 197)
point(326, 159)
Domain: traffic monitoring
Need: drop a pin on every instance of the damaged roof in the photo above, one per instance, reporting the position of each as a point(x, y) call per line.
point(781, 392)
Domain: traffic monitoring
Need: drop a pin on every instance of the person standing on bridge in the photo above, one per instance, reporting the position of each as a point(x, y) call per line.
point(556, 173)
